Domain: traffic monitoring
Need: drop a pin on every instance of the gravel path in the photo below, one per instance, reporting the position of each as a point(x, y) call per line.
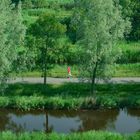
point(73, 80)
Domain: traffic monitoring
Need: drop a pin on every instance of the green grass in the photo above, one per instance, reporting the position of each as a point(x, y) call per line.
point(130, 52)
point(31, 15)
point(39, 11)
point(133, 46)
point(62, 1)
point(122, 70)
point(127, 70)
point(70, 96)
point(91, 135)
point(55, 71)
point(70, 89)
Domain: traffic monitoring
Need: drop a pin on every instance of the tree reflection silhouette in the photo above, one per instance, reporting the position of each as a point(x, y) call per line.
point(15, 121)
point(133, 112)
point(7, 123)
point(91, 120)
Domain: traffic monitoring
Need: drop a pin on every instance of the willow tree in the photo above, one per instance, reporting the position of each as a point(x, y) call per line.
point(11, 36)
point(99, 25)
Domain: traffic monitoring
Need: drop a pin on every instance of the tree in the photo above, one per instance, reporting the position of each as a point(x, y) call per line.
point(99, 25)
point(127, 7)
point(47, 29)
point(12, 33)
point(135, 19)
point(131, 10)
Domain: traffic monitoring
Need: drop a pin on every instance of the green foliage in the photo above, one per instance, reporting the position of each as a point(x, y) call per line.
point(39, 3)
point(4, 102)
point(100, 135)
point(11, 37)
point(27, 3)
point(28, 103)
point(47, 26)
point(38, 11)
point(107, 101)
point(127, 7)
point(46, 31)
point(62, 9)
point(131, 10)
point(130, 102)
point(135, 33)
point(70, 96)
point(89, 102)
point(45, 3)
point(99, 25)
point(127, 70)
point(130, 52)
point(60, 71)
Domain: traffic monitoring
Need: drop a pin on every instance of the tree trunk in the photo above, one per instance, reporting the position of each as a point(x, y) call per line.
point(45, 65)
point(45, 74)
point(93, 87)
point(47, 123)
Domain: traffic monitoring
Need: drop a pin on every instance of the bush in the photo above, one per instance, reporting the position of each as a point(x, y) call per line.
point(129, 56)
point(4, 102)
point(107, 101)
point(27, 103)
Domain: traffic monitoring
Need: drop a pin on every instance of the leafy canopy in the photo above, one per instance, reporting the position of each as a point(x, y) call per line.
point(12, 33)
point(99, 25)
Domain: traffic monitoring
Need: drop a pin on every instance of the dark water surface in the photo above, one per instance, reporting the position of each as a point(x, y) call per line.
point(122, 121)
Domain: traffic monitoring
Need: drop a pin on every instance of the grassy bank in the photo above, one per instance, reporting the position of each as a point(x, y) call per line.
point(70, 96)
point(91, 135)
point(127, 70)
point(122, 70)
point(130, 52)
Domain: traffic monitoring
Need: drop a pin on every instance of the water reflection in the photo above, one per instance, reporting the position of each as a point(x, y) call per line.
point(123, 121)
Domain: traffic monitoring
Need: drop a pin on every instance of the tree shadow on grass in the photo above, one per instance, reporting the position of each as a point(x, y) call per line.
point(69, 89)
point(47, 90)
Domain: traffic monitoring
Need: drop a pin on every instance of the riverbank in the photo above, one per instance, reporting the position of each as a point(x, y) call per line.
point(91, 135)
point(70, 96)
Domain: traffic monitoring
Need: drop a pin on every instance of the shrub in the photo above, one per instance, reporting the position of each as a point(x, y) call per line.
point(107, 101)
point(28, 103)
point(4, 102)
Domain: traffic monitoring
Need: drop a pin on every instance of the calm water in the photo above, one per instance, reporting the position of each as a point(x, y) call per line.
point(122, 121)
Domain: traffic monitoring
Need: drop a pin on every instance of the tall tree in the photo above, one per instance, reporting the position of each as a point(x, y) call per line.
point(131, 10)
point(99, 25)
point(12, 33)
point(47, 29)
point(135, 18)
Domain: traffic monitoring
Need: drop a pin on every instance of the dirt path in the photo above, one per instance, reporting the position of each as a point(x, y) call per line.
point(73, 80)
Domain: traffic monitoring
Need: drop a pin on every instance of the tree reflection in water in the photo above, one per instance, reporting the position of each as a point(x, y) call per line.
point(90, 120)
point(63, 121)
point(133, 112)
point(7, 123)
